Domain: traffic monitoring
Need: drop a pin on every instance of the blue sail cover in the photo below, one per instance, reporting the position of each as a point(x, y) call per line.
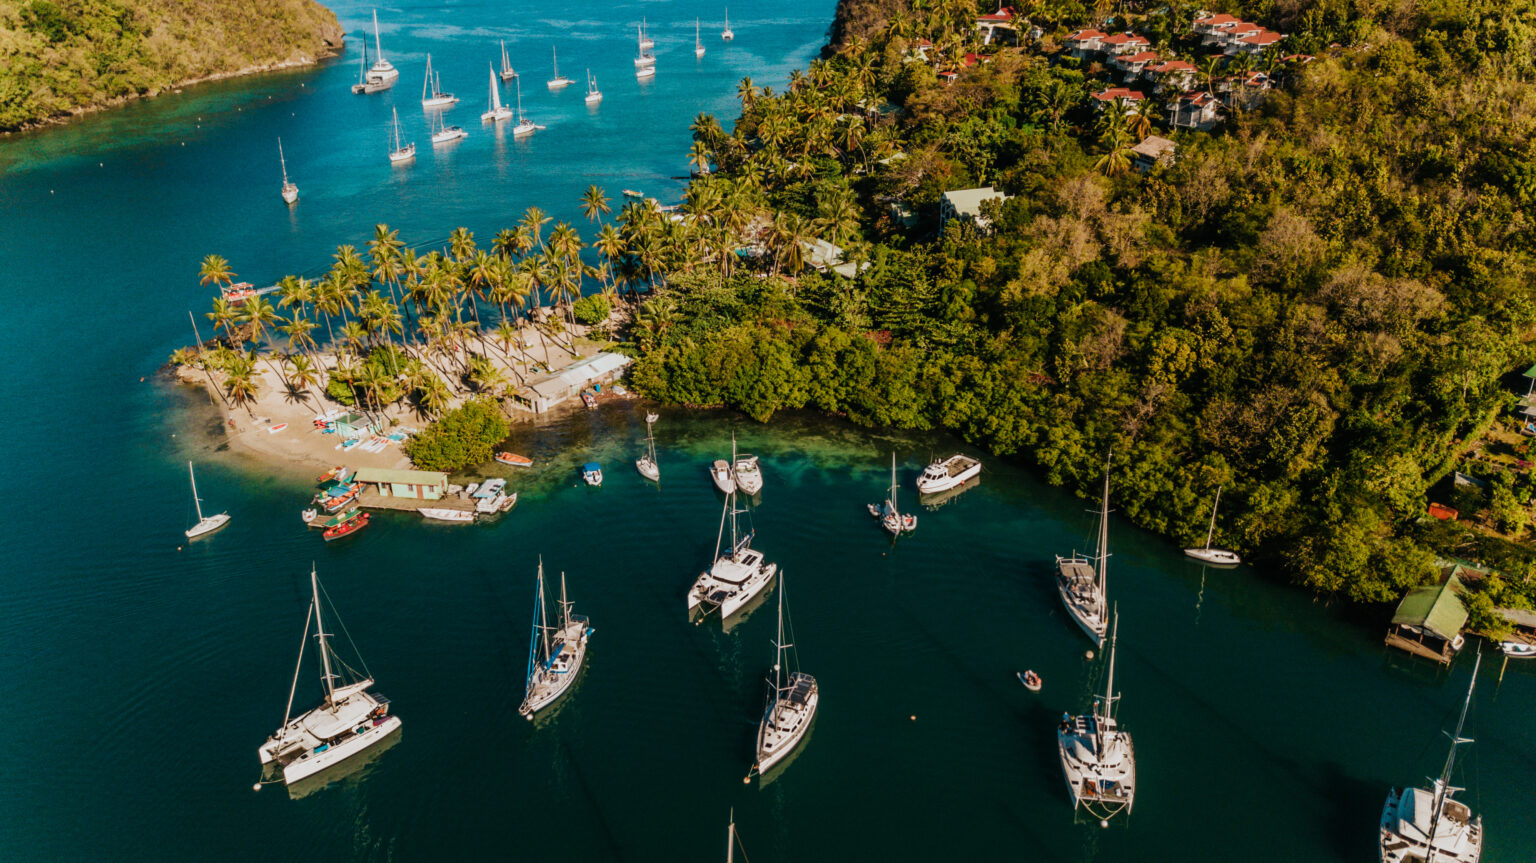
point(591, 466)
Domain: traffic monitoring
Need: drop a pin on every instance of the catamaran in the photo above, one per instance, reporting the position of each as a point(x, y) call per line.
point(698, 46)
point(401, 152)
point(432, 96)
point(290, 191)
point(205, 524)
point(1081, 581)
point(559, 82)
point(1097, 757)
point(445, 134)
point(594, 95)
point(736, 576)
point(1214, 556)
point(792, 698)
point(524, 125)
point(507, 73)
point(366, 80)
point(498, 111)
point(646, 464)
point(554, 653)
point(1424, 825)
point(749, 477)
point(727, 34)
point(891, 517)
point(382, 71)
point(350, 719)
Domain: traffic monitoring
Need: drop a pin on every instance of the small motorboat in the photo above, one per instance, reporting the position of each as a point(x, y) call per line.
point(452, 516)
point(1031, 681)
point(514, 459)
point(1517, 649)
point(334, 473)
point(592, 473)
point(309, 515)
point(631, 193)
point(946, 474)
point(588, 399)
point(277, 428)
point(346, 528)
point(897, 523)
point(720, 472)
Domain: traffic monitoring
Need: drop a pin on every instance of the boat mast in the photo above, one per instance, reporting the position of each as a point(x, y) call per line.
point(325, 651)
point(730, 839)
point(195, 502)
point(555, 58)
point(565, 607)
point(378, 48)
point(1109, 690)
point(893, 482)
point(495, 96)
point(1443, 788)
point(779, 646)
point(282, 161)
point(428, 82)
point(543, 616)
point(533, 640)
point(1103, 557)
point(1211, 531)
point(730, 498)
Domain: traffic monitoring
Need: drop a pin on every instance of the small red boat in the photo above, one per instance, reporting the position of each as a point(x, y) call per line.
point(347, 528)
point(588, 399)
point(331, 474)
point(514, 459)
point(334, 503)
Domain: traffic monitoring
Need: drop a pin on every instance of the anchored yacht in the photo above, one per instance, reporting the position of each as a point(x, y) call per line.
point(1081, 580)
point(792, 699)
point(1214, 556)
point(555, 652)
point(1097, 757)
point(737, 576)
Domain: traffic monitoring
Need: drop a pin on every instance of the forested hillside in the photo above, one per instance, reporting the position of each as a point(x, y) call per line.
point(1316, 305)
point(57, 56)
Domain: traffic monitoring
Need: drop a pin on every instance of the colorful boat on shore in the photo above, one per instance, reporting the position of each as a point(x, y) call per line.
point(337, 497)
point(588, 399)
point(347, 528)
point(514, 459)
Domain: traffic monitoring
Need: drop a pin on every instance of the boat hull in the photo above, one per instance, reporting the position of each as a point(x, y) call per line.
point(648, 469)
point(207, 525)
point(721, 475)
point(772, 752)
point(355, 745)
point(1517, 649)
point(932, 485)
point(1213, 556)
point(450, 516)
point(546, 696)
point(1101, 790)
point(1087, 611)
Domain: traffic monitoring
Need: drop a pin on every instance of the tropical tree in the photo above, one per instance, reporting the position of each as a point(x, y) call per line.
point(594, 204)
point(215, 270)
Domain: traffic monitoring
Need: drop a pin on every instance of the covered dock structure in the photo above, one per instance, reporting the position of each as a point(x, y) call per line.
point(555, 388)
point(1428, 621)
point(407, 484)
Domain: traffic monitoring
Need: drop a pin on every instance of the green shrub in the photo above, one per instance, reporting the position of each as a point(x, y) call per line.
point(591, 309)
point(464, 436)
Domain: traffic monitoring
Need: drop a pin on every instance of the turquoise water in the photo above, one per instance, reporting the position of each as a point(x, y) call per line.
point(140, 673)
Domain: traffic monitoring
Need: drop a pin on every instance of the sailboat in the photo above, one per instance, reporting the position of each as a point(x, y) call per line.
point(698, 46)
point(555, 652)
point(507, 73)
point(594, 95)
point(401, 152)
point(364, 85)
point(1214, 556)
point(727, 34)
point(891, 517)
point(524, 125)
point(382, 73)
point(205, 524)
point(432, 96)
point(559, 82)
point(290, 191)
point(645, 61)
point(645, 41)
point(749, 477)
point(1081, 581)
point(1424, 825)
point(445, 134)
point(1097, 757)
point(498, 111)
point(646, 464)
point(350, 719)
point(792, 698)
point(736, 576)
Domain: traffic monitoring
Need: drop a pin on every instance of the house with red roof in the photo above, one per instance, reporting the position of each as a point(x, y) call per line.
point(1213, 28)
point(1081, 43)
point(1171, 75)
point(1003, 19)
point(1199, 110)
point(1256, 43)
point(1133, 64)
point(1126, 97)
point(1123, 43)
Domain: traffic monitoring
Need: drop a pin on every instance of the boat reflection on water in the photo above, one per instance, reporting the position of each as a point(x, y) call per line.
point(348, 772)
point(939, 498)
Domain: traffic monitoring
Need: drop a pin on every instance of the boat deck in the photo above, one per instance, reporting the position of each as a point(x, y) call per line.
point(371, 499)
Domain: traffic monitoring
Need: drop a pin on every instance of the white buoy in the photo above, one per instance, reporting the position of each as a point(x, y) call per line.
point(1104, 823)
point(913, 717)
point(746, 780)
point(1090, 654)
point(256, 787)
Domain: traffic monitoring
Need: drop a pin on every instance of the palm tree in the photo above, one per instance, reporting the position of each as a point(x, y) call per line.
point(215, 270)
point(534, 220)
point(302, 375)
point(1138, 123)
point(698, 156)
point(1207, 72)
point(594, 203)
point(747, 93)
point(506, 243)
point(240, 380)
point(1116, 159)
point(461, 243)
point(610, 244)
point(223, 317)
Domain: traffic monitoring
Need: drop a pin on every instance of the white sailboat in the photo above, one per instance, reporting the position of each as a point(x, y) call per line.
point(749, 476)
point(727, 34)
point(205, 524)
point(646, 464)
point(594, 95)
point(524, 125)
point(1081, 581)
point(507, 72)
point(498, 111)
point(382, 72)
point(555, 652)
point(445, 134)
point(559, 82)
point(364, 84)
point(792, 699)
point(645, 41)
point(290, 191)
point(645, 58)
point(890, 516)
point(1214, 556)
point(401, 152)
point(432, 96)
point(731, 841)
point(1425, 825)
point(737, 576)
point(698, 46)
point(1097, 757)
point(350, 719)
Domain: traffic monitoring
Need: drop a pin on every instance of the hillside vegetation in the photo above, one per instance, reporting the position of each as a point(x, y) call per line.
point(57, 56)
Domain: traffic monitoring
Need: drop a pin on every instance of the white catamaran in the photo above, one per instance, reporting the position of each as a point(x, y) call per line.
point(350, 719)
point(555, 652)
point(507, 72)
point(736, 576)
point(1214, 556)
point(401, 152)
point(432, 96)
point(382, 75)
point(205, 524)
point(792, 699)
point(890, 517)
point(727, 34)
point(1425, 825)
point(498, 111)
point(558, 82)
point(290, 190)
point(1081, 581)
point(1097, 757)
point(646, 464)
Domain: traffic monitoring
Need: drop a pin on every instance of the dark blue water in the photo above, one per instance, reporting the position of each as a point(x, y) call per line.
point(138, 673)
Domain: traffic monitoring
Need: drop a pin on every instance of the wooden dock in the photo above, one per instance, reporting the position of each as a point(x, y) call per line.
point(371, 499)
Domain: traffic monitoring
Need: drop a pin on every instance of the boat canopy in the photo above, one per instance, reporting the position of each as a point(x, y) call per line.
point(1434, 608)
point(591, 466)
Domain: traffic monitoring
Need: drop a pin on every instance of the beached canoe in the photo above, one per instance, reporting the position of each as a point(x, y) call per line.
point(514, 459)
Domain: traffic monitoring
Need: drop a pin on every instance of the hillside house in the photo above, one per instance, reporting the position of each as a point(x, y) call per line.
point(989, 24)
point(1125, 97)
point(1171, 75)
point(1082, 43)
point(1151, 152)
point(1134, 64)
point(1212, 29)
point(1123, 43)
point(965, 204)
point(1200, 111)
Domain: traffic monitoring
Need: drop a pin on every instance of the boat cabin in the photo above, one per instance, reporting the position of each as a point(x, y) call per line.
point(414, 484)
point(1428, 621)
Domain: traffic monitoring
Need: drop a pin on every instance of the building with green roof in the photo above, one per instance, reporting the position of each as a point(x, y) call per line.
point(1428, 621)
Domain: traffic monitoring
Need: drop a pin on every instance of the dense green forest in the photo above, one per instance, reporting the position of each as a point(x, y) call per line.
point(1316, 306)
point(57, 56)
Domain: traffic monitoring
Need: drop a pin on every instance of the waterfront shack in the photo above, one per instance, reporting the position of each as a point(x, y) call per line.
point(1428, 621)
point(543, 393)
point(352, 425)
point(410, 484)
